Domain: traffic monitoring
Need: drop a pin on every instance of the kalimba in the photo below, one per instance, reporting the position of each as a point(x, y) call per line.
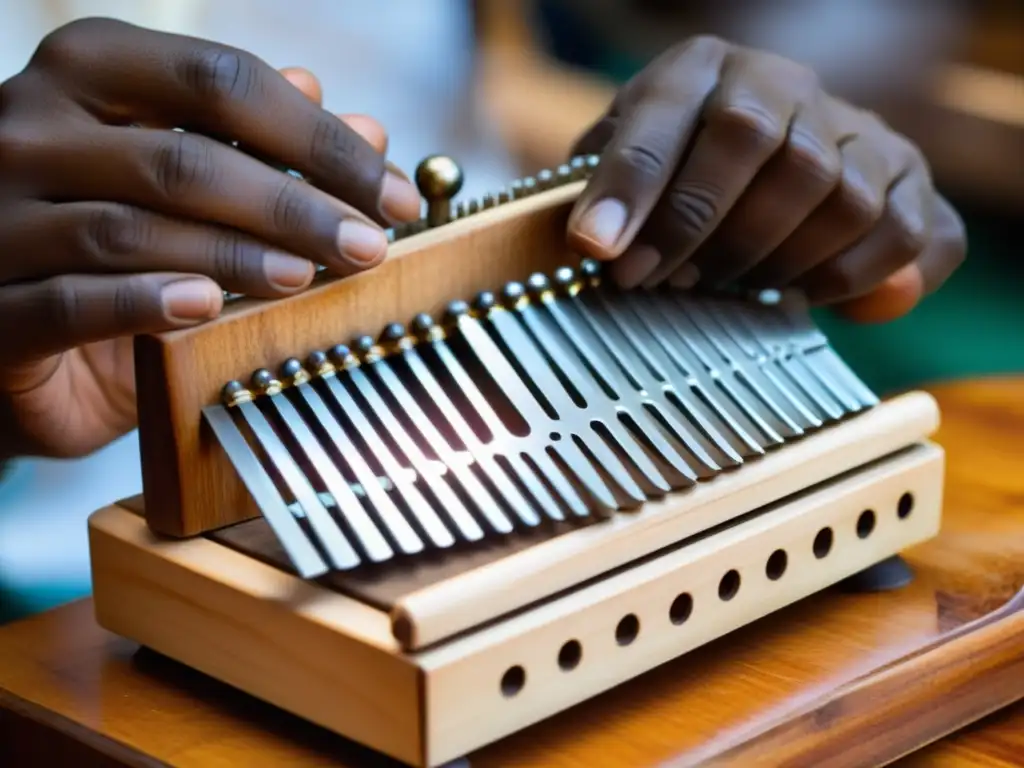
point(429, 505)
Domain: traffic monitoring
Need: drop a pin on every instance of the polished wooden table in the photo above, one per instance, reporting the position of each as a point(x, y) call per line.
point(72, 694)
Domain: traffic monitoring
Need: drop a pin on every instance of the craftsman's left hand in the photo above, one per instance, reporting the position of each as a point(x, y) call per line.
point(721, 164)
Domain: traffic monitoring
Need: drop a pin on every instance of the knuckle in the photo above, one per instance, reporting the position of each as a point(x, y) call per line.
point(749, 125)
point(62, 305)
point(331, 145)
point(65, 46)
point(861, 203)
point(113, 233)
point(290, 210)
point(13, 146)
point(181, 164)
point(127, 300)
point(220, 75)
point(709, 45)
point(910, 231)
point(232, 258)
point(693, 208)
point(813, 158)
point(645, 161)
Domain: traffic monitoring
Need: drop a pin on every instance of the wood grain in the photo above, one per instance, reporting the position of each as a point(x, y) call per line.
point(77, 684)
point(188, 481)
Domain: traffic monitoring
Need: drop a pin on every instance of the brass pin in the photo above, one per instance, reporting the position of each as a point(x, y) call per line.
point(293, 373)
point(566, 281)
point(264, 383)
point(395, 338)
point(235, 393)
point(320, 364)
point(342, 357)
point(545, 179)
point(425, 329)
point(439, 179)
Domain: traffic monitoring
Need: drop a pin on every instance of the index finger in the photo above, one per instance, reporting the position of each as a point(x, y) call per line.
point(641, 158)
point(138, 74)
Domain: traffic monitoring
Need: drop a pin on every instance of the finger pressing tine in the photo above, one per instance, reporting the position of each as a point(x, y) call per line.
point(44, 318)
point(187, 175)
point(640, 160)
point(743, 126)
point(139, 75)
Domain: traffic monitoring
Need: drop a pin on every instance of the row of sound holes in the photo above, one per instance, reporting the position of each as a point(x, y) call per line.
point(628, 628)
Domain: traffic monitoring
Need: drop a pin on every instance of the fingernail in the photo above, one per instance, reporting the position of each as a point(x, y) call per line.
point(286, 272)
point(361, 243)
point(603, 223)
point(191, 300)
point(399, 199)
point(630, 269)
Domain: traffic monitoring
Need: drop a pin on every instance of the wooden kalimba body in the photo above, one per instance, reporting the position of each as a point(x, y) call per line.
point(432, 504)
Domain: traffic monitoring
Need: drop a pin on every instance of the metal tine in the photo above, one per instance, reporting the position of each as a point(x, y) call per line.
point(689, 356)
point(296, 544)
point(774, 367)
point(548, 353)
point(779, 342)
point(408, 541)
point(714, 314)
point(425, 514)
point(401, 343)
point(752, 377)
point(504, 442)
point(680, 474)
point(507, 379)
point(798, 322)
point(339, 551)
point(694, 376)
point(371, 358)
point(366, 532)
point(793, 364)
point(626, 376)
point(522, 349)
point(685, 396)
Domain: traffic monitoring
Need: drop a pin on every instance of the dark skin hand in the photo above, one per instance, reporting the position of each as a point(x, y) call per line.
point(723, 165)
point(727, 164)
point(112, 224)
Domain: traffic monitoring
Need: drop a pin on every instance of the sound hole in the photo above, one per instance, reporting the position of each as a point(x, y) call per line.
point(627, 629)
point(823, 543)
point(905, 506)
point(865, 523)
point(680, 609)
point(776, 565)
point(729, 585)
point(570, 654)
point(513, 680)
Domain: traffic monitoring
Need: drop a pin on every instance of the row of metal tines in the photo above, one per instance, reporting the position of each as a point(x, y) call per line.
point(553, 399)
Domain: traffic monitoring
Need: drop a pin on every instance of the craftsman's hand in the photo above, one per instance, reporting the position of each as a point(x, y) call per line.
point(113, 224)
point(721, 164)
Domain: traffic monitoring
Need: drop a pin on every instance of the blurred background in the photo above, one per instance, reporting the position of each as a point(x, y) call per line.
point(505, 86)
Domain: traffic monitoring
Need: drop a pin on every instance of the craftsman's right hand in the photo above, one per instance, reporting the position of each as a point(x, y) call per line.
point(113, 224)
